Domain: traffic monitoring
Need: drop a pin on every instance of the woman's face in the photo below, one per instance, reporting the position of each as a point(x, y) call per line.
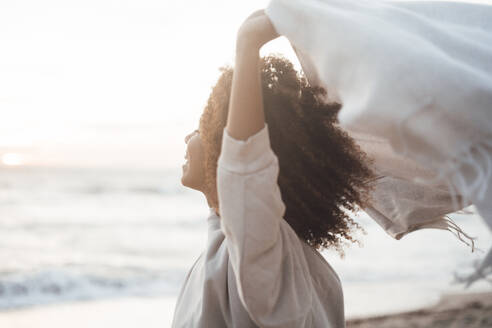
point(193, 170)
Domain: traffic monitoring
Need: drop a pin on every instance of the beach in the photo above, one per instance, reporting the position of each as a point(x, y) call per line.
point(453, 310)
point(97, 229)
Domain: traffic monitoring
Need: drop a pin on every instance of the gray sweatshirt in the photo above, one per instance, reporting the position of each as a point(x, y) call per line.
point(255, 271)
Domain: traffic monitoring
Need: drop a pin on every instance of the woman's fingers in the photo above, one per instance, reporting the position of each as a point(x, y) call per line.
point(257, 30)
point(256, 13)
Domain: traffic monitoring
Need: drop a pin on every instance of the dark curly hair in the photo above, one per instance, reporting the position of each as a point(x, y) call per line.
point(322, 171)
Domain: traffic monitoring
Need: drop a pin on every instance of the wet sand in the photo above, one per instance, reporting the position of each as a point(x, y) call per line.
point(123, 313)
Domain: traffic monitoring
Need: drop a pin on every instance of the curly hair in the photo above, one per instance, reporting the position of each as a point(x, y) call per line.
point(322, 172)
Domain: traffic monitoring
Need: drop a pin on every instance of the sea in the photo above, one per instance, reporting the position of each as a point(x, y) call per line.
point(89, 234)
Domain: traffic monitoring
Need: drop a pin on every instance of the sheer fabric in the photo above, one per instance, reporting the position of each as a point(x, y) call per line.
point(415, 81)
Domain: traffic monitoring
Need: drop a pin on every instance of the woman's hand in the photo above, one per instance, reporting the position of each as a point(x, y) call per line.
point(255, 31)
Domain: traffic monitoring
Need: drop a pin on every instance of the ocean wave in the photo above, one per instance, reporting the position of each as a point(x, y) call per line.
point(61, 285)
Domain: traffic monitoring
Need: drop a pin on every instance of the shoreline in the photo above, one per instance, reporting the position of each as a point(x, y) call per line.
point(153, 312)
point(452, 310)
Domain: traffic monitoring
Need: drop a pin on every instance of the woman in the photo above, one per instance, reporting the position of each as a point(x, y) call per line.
point(269, 214)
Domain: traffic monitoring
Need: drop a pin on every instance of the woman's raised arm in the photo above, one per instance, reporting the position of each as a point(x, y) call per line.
point(271, 272)
point(246, 116)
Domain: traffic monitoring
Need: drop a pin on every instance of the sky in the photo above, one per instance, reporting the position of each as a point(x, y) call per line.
point(111, 83)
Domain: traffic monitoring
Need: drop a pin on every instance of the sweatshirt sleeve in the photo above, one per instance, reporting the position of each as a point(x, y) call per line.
point(267, 257)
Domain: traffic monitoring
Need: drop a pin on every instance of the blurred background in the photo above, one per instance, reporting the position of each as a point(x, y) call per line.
point(95, 229)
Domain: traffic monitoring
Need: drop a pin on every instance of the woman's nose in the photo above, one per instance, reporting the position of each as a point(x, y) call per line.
point(187, 138)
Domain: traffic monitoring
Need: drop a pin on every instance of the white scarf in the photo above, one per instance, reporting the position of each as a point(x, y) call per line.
point(415, 81)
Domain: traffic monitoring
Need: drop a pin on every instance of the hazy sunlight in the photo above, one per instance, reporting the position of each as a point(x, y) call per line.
point(11, 159)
